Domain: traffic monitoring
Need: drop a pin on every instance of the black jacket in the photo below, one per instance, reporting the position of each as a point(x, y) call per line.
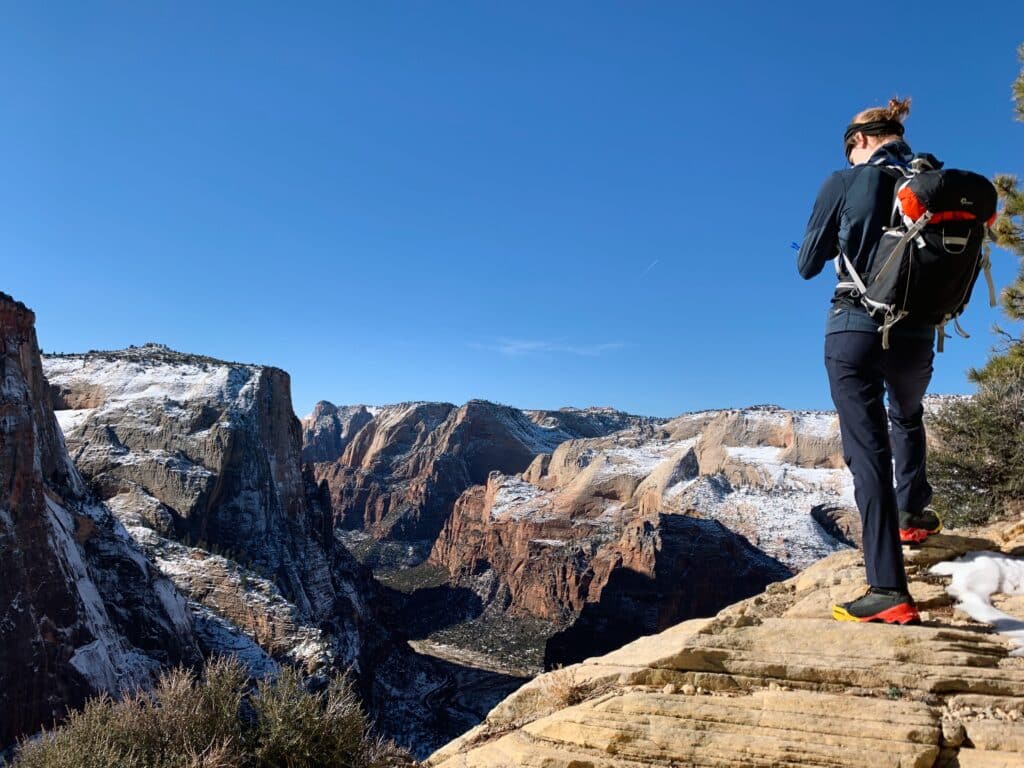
point(849, 213)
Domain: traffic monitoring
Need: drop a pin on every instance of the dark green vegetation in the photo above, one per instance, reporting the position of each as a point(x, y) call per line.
point(408, 580)
point(978, 470)
point(150, 352)
point(218, 722)
point(517, 641)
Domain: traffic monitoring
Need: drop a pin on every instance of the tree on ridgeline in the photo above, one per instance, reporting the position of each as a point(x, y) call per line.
point(978, 467)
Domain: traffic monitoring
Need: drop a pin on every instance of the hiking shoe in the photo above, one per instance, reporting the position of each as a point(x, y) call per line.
point(916, 528)
point(889, 606)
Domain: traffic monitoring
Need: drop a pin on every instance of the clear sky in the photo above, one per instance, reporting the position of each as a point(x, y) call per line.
point(537, 203)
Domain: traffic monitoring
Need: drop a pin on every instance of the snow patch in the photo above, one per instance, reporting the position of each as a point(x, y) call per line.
point(975, 578)
point(638, 461)
point(516, 499)
point(220, 637)
point(72, 418)
point(823, 424)
point(776, 521)
point(105, 662)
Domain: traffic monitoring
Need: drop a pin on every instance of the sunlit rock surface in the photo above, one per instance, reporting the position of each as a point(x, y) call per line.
point(631, 532)
point(399, 475)
point(773, 680)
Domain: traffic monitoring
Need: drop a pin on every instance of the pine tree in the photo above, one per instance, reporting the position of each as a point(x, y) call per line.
point(978, 469)
point(1009, 232)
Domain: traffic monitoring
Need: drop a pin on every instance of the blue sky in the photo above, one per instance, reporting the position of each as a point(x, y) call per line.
point(538, 203)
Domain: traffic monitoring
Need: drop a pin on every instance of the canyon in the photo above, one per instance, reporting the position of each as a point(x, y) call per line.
point(442, 555)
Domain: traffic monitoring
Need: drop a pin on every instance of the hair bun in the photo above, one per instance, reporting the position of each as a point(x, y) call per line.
point(898, 109)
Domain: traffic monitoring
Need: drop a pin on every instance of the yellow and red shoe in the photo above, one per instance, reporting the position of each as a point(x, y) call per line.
point(889, 606)
point(916, 528)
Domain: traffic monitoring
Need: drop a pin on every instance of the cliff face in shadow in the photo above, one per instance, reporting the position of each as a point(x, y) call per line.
point(81, 610)
point(692, 568)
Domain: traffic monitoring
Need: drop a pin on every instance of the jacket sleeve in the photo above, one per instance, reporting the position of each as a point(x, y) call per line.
point(821, 241)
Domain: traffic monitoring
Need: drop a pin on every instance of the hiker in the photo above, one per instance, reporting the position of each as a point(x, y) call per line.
point(851, 210)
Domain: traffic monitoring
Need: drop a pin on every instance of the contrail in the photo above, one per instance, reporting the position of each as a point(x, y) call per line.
point(649, 267)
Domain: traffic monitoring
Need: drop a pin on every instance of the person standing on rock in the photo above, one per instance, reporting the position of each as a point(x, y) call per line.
point(849, 214)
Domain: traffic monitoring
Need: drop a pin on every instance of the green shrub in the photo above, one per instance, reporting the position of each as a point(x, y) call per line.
point(215, 722)
point(977, 469)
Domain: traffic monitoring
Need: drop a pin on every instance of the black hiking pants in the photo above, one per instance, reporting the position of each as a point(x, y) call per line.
point(859, 373)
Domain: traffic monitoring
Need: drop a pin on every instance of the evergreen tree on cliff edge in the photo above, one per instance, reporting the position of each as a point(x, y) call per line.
point(978, 470)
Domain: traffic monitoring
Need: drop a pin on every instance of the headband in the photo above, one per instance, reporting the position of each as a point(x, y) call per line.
point(874, 128)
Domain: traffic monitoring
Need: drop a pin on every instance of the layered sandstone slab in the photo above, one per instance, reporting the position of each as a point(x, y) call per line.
point(772, 681)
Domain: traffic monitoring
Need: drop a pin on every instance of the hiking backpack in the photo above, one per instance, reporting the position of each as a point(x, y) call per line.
point(931, 255)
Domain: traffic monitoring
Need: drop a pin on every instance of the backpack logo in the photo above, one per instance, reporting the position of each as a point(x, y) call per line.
point(965, 201)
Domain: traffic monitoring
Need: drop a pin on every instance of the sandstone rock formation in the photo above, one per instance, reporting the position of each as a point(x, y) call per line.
point(772, 681)
point(207, 452)
point(81, 610)
point(328, 430)
point(401, 472)
point(629, 533)
point(201, 460)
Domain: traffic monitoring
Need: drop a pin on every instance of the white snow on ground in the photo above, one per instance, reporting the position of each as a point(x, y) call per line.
point(816, 423)
point(71, 419)
point(779, 475)
point(548, 422)
point(536, 438)
point(774, 512)
point(770, 504)
point(106, 662)
point(979, 575)
point(221, 637)
point(754, 454)
point(513, 497)
point(776, 521)
point(679, 488)
point(639, 460)
point(128, 380)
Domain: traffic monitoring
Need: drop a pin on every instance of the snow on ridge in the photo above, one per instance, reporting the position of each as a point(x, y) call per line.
point(222, 637)
point(639, 460)
point(512, 501)
point(784, 476)
point(122, 381)
point(823, 424)
point(777, 521)
point(536, 438)
point(754, 454)
point(345, 410)
point(192, 568)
